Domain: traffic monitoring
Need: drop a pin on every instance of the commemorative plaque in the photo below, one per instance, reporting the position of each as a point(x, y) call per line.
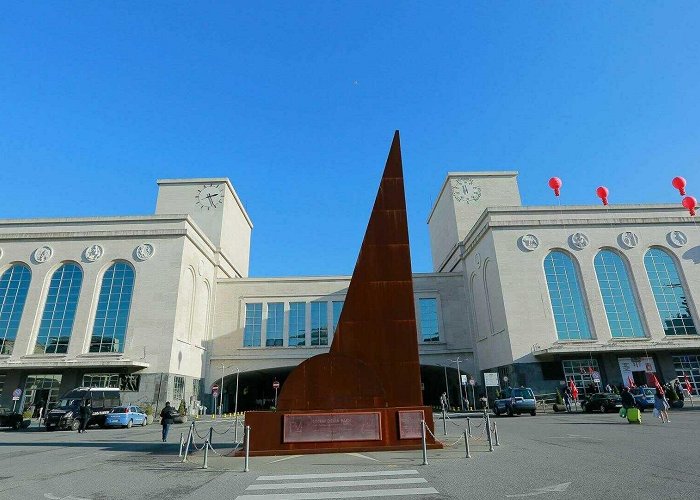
point(326, 427)
point(409, 424)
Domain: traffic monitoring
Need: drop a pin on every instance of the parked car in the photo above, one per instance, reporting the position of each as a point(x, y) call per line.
point(66, 414)
point(8, 418)
point(125, 416)
point(602, 402)
point(644, 397)
point(520, 400)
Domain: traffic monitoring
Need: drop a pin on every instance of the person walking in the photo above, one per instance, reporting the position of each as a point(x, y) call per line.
point(630, 406)
point(661, 406)
point(567, 399)
point(85, 414)
point(166, 419)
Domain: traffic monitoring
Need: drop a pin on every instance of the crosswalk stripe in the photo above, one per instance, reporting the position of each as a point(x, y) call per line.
point(337, 484)
point(339, 475)
point(341, 494)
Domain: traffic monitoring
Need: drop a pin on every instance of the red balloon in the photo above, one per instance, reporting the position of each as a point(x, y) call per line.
point(602, 193)
point(555, 183)
point(679, 184)
point(690, 203)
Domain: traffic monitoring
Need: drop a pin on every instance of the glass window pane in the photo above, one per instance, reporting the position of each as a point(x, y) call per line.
point(275, 324)
point(669, 293)
point(14, 283)
point(297, 323)
point(618, 297)
point(253, 325)
point(427, 311)
point(565, 295)
point(112, 315)
point(319, 323)
point(59, 312)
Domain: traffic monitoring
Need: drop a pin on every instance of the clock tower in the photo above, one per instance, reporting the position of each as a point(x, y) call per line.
point(216, 209)
point(463, 198)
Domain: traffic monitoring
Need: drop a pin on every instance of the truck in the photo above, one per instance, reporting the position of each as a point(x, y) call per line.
point(517, 401)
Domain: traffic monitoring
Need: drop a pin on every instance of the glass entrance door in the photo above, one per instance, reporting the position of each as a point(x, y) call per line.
point(41, 389)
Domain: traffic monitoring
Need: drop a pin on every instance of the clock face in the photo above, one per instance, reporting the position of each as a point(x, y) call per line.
point(210, 196)
point(465, 190)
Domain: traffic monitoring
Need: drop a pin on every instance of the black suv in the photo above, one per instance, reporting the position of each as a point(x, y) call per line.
point(66, 414)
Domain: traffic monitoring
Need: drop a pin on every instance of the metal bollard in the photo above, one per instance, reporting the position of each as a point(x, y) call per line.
point(495, 433)
point(182, 443)
point(469, 426)
point(211, 434)
point(189, 440)
point(466, 444)
point(235, 430)
point(246, 440)
point(205, 465)
point(488, 433)
point(424, 444)
point(444, 421)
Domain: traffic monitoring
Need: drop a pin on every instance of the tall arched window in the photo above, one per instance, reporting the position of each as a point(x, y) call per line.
point(59, 312)
point(113, 306)
point(14, 284)
point(671, 300)
point(565, 294)
point(618, 299)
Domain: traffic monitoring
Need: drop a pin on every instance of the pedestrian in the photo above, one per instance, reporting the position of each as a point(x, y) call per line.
point(661, 406)
point(166, 419)
point(608, 388)
point(567, 399)
point(679, 390)
point(85, 414)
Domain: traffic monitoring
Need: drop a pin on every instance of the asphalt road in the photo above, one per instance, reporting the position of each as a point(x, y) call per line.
point(547, 456)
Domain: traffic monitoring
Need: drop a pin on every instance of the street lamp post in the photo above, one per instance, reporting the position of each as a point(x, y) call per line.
point(221, 393)
point(447, 387)
point(459, 381)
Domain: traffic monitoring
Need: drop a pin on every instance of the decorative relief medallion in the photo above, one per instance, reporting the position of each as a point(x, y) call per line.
point(629, 239)
point(465, 190)
point(677, 238)
point(529, 242)
point(93, 253)
point(144, 251)
point(477, 260)
point(200, 267)
point(579, 240)
point(42, 254)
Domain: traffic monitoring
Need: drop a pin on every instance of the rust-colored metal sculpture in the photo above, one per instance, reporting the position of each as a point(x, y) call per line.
point(365, 393)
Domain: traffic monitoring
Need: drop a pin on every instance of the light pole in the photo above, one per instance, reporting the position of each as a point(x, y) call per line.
point(221, 393)
point(459, 381)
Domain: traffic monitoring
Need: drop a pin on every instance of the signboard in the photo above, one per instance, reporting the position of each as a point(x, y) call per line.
point(629, 365)
point(275, 385)
point(596, 377)
point(16, 393)
point(15, 398)
point(491, 379)
point(464, 380)
point(214, 390)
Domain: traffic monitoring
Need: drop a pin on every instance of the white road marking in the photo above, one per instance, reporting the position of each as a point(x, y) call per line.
point(75, 458)
point(557, 488)
point(334, 484)
point(49, 496)
point(342, 494)
point(284, 458)
point(339, 474)
point(360, 455)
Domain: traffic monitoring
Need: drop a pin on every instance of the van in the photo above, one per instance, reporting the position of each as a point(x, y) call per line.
point(66, 413)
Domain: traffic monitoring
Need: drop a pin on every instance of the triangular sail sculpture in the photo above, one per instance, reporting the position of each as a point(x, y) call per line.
point(370, 379)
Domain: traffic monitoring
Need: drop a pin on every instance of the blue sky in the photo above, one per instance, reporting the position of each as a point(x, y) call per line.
point(296, 103)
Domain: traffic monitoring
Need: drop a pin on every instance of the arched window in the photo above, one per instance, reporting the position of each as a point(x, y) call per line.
point(618, 299)
point(671, 300)
point(59, 312)
point(565, 294)
point(113, 306)
point(14, 284)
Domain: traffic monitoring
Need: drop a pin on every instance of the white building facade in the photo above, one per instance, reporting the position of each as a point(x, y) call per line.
point(162, 305)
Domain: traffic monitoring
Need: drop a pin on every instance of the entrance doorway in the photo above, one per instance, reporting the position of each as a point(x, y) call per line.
point(40, 388)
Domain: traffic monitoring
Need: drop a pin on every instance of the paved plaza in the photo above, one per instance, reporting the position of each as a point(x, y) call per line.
point(547, 456)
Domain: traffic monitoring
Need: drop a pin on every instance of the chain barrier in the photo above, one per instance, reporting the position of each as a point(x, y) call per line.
point(442, 442)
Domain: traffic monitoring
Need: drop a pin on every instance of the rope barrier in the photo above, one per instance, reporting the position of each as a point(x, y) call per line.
point(442, 442)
